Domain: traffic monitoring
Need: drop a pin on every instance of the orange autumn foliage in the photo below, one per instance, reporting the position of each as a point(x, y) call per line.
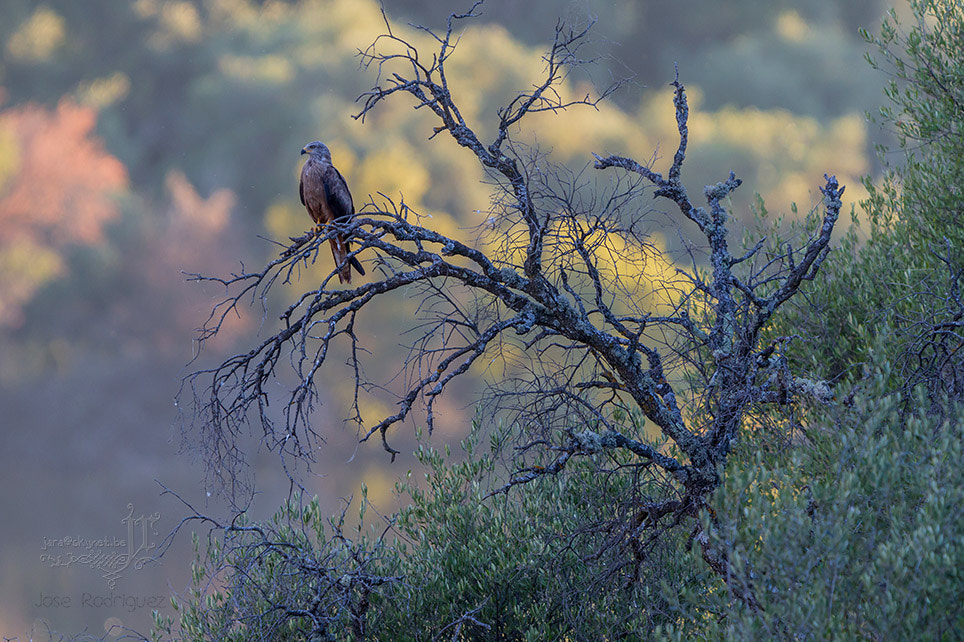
point(57, 188)
point(63, 186)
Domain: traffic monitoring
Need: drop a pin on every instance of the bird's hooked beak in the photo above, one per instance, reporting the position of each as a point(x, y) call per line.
point(304, 150)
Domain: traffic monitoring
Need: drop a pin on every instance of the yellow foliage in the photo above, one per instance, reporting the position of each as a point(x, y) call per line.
point(380, 482)
point(644, 274)
point(665, 284)
point(284, 219)
point(576, 132)
point(344, 159)
point(103, 92)
point(457, 185)
point(764, 132)
point(792, 27)
point(146, 8)
point(181, 20)
point(260, 70)
point(350, 21)
point(489, 68)
point(329, 31)
point(178, 22)
point(657, 116)
point(796, 188)
point(39, 37)
point(9, 156)
point(849, 133)
point(26, 267)
point(790, 153)
point(395, 169)
point(239, 10)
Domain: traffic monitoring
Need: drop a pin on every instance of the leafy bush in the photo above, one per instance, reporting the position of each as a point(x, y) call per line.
point(857, 535)
point(461, 565)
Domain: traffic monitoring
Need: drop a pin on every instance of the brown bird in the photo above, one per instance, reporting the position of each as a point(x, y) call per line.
point(325, 195)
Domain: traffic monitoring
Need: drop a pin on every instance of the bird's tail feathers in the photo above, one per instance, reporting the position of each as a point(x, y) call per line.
point(355, 264)
point(340, 250)
point(353, 261)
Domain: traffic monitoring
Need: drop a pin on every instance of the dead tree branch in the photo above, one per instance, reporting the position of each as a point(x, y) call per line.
point(555, 295)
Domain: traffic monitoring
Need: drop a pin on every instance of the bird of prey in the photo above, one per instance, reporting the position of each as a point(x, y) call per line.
point(325, 195)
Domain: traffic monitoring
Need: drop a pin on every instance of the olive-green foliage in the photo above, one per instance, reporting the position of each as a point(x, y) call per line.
point(856, 535)
point(259, 581)
point(913, 215)
point(534, 565)
point(530, 565)
point(926, 110)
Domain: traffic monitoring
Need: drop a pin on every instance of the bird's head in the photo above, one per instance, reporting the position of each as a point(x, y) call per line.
point(318, 149)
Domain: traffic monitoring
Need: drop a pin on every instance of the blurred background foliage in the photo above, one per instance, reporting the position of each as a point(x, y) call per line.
point(225, 92)
point(142, 138)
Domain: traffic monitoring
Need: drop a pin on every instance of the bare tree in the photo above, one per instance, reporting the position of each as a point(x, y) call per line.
point(552, 293)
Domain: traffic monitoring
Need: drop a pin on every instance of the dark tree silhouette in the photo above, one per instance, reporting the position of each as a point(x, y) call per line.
point(552, 291)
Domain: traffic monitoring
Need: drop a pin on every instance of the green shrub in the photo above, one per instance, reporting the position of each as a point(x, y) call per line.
point(858, 535)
